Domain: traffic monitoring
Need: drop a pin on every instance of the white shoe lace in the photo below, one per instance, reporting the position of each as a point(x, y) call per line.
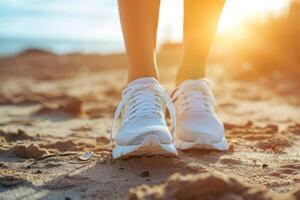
point(143, 100)
point(194, 96)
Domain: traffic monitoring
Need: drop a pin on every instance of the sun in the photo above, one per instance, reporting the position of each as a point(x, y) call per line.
point(237, 11)
point(234, 14)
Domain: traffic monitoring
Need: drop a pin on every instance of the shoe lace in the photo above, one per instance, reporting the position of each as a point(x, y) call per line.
point(143, 100)
point(194, 96)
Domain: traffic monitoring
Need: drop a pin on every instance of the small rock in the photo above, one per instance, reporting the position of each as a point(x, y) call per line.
point(145, 174)
point(264, 166)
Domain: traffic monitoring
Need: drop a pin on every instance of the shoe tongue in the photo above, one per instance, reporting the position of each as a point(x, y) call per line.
point(191, 84)
point(142, 81)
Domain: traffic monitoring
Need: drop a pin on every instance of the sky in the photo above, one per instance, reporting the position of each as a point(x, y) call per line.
point(98, 20)
point(73, 19)
point(94, 19)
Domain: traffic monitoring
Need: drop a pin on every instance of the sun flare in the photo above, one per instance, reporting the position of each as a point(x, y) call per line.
point(236, 12)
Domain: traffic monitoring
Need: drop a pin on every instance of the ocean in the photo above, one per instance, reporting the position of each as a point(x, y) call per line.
point(64, 26)
point(11, 46)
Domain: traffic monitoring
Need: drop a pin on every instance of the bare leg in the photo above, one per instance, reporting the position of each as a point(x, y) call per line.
point(200, 24)
point(139, 20)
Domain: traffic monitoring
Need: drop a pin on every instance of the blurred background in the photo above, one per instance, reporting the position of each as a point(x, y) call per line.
point(254, 37)
point(62, 70)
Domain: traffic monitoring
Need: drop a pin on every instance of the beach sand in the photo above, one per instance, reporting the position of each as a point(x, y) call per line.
point(54, 109)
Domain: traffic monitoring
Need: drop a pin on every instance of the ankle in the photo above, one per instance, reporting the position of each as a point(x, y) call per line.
point(189, 73)
point(181, 78)
point(137, 77)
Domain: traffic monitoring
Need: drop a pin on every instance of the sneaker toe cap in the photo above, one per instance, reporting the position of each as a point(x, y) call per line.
point(205, 128)
point(136, 137)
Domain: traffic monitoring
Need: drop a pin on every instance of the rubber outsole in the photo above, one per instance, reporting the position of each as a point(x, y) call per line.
point(200, 144)
point(150, 146)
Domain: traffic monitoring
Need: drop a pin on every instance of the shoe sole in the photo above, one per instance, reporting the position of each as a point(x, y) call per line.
point(200, 144)
point(149, 147)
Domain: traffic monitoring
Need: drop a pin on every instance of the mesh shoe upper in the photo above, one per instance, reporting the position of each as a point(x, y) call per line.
point(196, 117)
point(142, 109)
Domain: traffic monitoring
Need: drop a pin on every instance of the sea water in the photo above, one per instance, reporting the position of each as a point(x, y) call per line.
point(64, 26)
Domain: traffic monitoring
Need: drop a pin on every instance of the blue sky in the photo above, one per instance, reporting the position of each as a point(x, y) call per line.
point(99, 20)
point(73, 19)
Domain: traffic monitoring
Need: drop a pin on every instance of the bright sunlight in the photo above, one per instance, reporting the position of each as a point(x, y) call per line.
point(237, 11)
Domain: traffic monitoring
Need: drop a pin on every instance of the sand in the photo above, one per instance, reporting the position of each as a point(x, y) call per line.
point(56, 109)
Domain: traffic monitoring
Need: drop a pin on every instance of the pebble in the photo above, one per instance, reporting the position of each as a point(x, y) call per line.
point(145, 174)
point(264, 166)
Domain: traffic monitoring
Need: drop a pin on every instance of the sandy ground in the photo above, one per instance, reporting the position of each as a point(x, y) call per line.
point(50, 116)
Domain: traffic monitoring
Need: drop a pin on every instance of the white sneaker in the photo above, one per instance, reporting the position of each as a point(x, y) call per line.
point(143, 129)
point(198, 126)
